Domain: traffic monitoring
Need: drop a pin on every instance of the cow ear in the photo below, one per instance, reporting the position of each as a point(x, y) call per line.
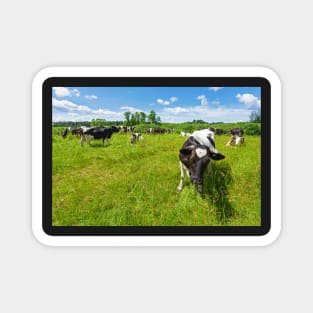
point(185, 151)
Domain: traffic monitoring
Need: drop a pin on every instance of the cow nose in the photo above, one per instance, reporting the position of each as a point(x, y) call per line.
point(195, 180)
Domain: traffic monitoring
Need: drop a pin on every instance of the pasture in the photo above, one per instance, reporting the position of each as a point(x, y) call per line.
point(135, 185)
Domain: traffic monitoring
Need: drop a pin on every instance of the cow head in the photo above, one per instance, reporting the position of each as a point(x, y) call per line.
point(66, 131)
point(115, 129)
point(196, 158)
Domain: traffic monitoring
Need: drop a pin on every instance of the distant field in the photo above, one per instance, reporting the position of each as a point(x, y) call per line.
point(123, 184)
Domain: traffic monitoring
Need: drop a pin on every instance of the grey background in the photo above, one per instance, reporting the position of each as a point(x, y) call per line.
point(36, 34)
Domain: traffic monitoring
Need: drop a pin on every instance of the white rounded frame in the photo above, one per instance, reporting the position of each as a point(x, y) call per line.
point(276, 148)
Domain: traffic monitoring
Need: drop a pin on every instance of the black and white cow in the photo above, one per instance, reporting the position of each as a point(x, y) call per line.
point(126, 129)
point(219, 131)
point(159, 130)
point(194, 159)
point(73, 130)
point(65, 132)
point(236, 137)
point(97, 133)
point(135, 137)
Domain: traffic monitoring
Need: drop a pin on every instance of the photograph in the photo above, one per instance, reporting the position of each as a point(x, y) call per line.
point(156, 155)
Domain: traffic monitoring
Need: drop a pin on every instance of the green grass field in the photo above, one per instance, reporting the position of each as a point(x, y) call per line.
point(135, 185)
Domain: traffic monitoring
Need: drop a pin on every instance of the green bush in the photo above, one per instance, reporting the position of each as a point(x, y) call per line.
point(252, 129)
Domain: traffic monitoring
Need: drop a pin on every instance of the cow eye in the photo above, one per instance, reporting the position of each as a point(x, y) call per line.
point(185, 151)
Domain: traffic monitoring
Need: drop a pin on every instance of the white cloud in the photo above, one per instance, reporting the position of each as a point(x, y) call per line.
point(166, 102)
point(91, 97)
point(66, 92)
point(75, 92)
point(176, 110)
point(65, 110)
point(248, 99)
point(215, 102)
point(61, 92)
point(182, 114)
point(203, 99)
point(216, 88)
point(131, 109)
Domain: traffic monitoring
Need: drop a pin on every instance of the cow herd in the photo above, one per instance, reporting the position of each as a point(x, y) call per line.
point(194, 156)
point(159, 130)
point(235, 139)
point(87, 134)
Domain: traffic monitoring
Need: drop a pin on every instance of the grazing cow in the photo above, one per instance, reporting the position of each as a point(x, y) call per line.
point(219, 131)
point(135, 137)
point(131, 129)
point(236, 137)
point(77, 131)
point(194, 159)
point(73, 130)
point(159, 130)
point(170, 130)
point(149, 130)
point(65, 132)
point(125, 129)
point(97, 133)
point(122, 129)
point(115, 129)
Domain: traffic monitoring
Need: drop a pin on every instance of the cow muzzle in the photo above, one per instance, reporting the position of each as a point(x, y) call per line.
point(196, 176)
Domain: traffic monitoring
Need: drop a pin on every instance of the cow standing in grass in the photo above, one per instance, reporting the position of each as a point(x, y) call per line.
point(195, 156)
point(159, 130)
point(73, 130)
point(97, 133)
point(65, 132)
point(135, 137)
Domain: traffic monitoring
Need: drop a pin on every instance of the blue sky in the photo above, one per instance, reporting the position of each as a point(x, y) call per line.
point(172, 104)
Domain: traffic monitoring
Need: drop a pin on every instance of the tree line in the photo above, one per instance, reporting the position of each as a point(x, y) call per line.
point(131, 119)
point(141, 118)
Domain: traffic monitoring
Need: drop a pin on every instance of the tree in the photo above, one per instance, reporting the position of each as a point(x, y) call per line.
point(127, 117)
point(255, 117)
point(132, 120)
point(152, 117)
point(97, 122)
point(137, 117)
point(143, 117)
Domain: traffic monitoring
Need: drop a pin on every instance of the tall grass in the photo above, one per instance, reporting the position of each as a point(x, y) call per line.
point(123, 184)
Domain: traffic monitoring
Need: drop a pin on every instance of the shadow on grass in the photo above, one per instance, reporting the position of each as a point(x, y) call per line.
point(216, 186)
